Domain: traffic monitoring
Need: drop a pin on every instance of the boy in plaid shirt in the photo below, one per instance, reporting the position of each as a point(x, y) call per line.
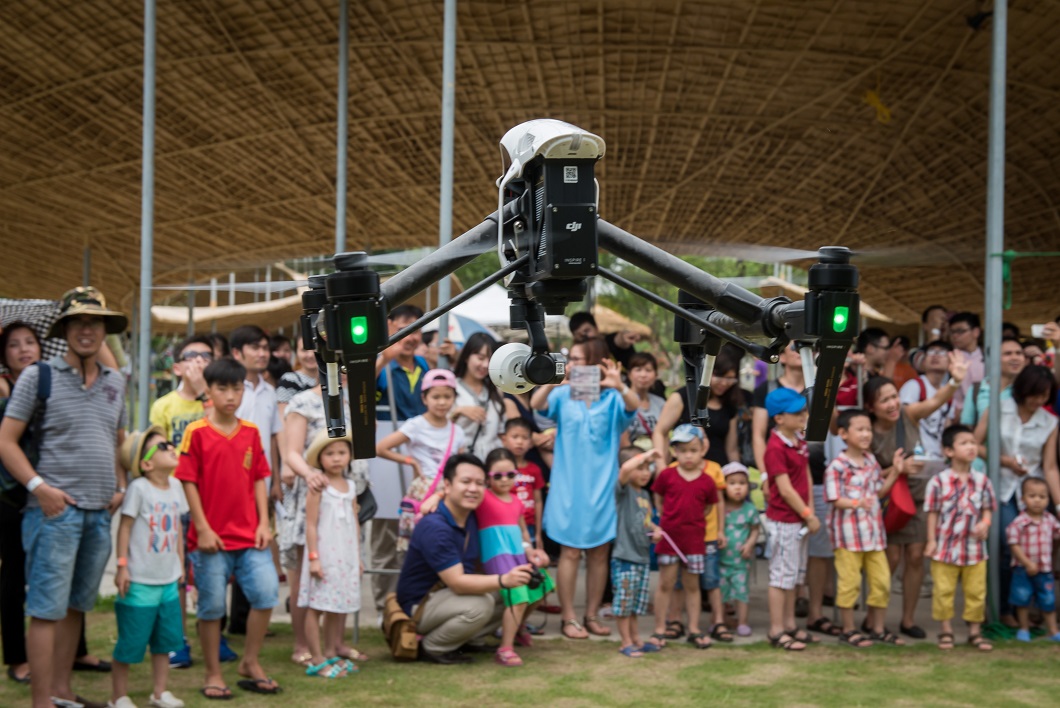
point(960, 505)
point(1031, 536)
point(854, 483)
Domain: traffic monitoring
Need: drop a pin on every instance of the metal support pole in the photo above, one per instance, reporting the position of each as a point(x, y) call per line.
point(445, 209)
point(191, 305)
point(86, 267)
point(995, 244)
point(231, 288)
point(343, 126)
point(147, 208)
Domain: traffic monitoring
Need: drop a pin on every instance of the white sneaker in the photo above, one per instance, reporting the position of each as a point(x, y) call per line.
point(123, 702)
point(166, 700)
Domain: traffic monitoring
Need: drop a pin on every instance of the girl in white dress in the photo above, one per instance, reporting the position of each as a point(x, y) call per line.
point(331, 571)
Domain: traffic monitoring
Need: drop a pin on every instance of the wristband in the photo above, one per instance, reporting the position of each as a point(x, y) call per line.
point(527, 545)
point(806, 512)
point(120, 490)
point(123, 562)
point(34, 483)
point(500, 581)
point(625, 389)
point(408, 460)
point(314, 556)
point(954, 383)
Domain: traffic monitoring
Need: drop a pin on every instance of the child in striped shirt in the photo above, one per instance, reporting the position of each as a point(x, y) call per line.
point(854, 483)
point(960, 505)
point(1031, 536)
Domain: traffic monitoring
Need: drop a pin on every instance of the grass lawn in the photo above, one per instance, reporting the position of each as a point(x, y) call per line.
point(566, 673)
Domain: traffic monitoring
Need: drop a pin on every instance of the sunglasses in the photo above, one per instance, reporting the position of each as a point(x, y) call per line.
point(191, 356)
point(166, 445)
point(502, 475)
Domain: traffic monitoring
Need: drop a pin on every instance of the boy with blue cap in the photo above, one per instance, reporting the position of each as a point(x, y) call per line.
point(789, 514)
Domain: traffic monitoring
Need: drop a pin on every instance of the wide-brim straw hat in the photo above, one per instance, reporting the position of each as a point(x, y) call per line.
point(88, 301)
point(312, 455)
point(132, 450)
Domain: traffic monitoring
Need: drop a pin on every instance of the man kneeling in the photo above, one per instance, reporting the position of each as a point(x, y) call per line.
point(440, 570)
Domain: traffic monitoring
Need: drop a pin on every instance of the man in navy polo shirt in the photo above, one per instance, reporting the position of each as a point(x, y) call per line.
point(444, 548)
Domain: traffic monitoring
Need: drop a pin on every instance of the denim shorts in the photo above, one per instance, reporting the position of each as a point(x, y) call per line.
point(711, 577)
point(1040, 587)
point(65, 559)
point(148, 615)
point(254, 572)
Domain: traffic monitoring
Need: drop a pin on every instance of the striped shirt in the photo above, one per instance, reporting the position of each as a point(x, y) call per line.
point(1035, 538)
point(80, 431)
point(960, 505)
point(859, 529)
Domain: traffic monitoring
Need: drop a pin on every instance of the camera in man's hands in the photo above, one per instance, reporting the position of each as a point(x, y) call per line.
point(536, 578)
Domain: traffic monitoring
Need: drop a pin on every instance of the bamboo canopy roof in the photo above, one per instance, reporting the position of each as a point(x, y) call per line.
point(796, 123)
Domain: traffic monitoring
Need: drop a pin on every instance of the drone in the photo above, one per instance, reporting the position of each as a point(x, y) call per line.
point(547, 233)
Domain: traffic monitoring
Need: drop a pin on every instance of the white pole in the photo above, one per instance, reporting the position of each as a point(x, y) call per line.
point(445, 208)
point(147, 207)
point(343, 126)
point(995, 244)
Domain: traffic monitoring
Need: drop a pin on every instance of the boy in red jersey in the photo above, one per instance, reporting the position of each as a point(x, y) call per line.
point(223, 469)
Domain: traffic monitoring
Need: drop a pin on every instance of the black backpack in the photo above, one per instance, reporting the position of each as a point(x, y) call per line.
point(12, 492)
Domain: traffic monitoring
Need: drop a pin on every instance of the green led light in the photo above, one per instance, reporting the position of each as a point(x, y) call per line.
point(359, 329)
point(840, 319)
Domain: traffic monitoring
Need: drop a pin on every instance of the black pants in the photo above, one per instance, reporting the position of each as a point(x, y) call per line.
point(13, 589)
point(240, 609)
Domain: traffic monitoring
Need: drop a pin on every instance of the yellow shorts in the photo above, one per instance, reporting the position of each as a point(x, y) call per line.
point(973, 579)
point(849, 566)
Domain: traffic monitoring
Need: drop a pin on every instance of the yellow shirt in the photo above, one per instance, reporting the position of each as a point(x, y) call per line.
point(713, 469)
point(174, 414)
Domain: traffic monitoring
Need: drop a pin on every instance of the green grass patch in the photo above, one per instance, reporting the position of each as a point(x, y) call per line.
point(564, 673)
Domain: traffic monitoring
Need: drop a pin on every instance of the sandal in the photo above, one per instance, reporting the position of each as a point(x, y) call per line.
point(580, 632)
point(599, 630)
point(945, 641)
point(674, 629)
point(649, 648)
point(326, 669)
point(801, 635)
point(216, 693)
point(632, 651)
point(660, 640)
point(353, 655)
point(304, 660)
point(977, 641)
point(507, 657)
point(696, 639)
point(823, 625)
point(721, 633)
point(786, 642)
point(887, 637)
point(523, 637)
point(855, 639)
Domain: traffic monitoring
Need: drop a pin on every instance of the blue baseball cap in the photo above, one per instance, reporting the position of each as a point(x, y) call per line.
point(685, 433)
point(784, 400)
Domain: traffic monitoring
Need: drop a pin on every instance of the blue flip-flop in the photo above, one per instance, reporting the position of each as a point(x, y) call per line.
point(649, 648)
point(632, 652)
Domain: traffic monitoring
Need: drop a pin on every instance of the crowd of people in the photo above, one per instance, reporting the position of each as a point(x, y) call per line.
point(479, 504)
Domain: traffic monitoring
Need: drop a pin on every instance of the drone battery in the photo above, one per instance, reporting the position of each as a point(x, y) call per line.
point(565, 206)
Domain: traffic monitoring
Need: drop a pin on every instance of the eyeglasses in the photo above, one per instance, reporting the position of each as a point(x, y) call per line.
point(964, 330)
point(937, 352)
point(503, 475)
point(165, 445)
point(191, 356)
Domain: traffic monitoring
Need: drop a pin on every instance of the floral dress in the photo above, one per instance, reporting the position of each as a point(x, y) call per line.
point(337, 543)
point(310, 406)
point(734, 567)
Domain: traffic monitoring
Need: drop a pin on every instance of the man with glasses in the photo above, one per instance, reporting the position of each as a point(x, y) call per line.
point(175, 410)
point(965, 331)
point(74, 487)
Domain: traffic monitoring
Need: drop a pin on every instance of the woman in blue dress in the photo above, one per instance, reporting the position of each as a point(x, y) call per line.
point(580, 513)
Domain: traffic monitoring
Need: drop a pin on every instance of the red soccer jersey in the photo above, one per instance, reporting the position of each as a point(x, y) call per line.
point(684, 506)
point(529, 479)
point(224, 468)
point(792, 459)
